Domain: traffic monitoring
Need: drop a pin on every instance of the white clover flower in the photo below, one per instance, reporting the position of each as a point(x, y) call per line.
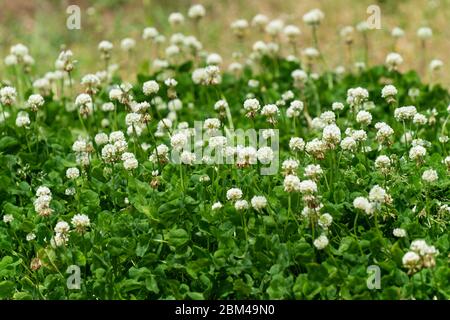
point(430, 176)
point(269, 110)
point(109, 153)
point(291, 32)
point(105, 46)
point(80, 222)
point(251, 105)
point(178, 141)
point(11, 60)
point(313, 17)
point(382, 162)
point(265, 155)
point(397, 32)
point(310, 53)
point(91, 81)
point(316, 148)
point(234, 194)
point(436, 65)
point(240, 205)
point(159, 64)
point(356, 96)
point(337, 106)
point(175, 105)
point(267, 133)
point(30, 236)
point(176, 19)
point(405, 113)
point(43, 191)
point(8, 218)
point(318, 124)
point(296, 144)
point(393, 60)
point(378, 194)
point(127, 44)
point(72, 173)
point(289, 95)
point(127, 155)
point(290, 166)
point(364, 117)
point(417, 153)
point(362, 26)
point(83, 99)
point(172, 50)
point(259, 202)
point(299, 76)
point(421, 247)
point(446, 161)
point(187, 158)
point(120, 145)
point(130, 163)
point(363, 204)
point(348, 144)
point(260, 21)
point(35, 101)
point(59, 240)
point(150, 87)
point(150, 33)
point(214, 59)
point(19, 50)
point(170, 82)
point(313, 171)
point(132, 118)
point(339, 70)
point(346, 33)
point(424, 33)
point(235, 67)
point(8, 95)
point(321, 242)
point(116, 136)
point(420, 119)
point(384, 131)
point(108, 106)
point(399, 232)
point(291, 183)
point(308, 187)
point(328, 117)
point(239, 27)
point(388, 91)
point(331, 134)
point(42, 204)
point(22, 119)
point(216, 206)
point(62, 227)
point(196, 11)
point(212, 124)
point(217, 141)
point(70, 191)
point(411, 260)
point(274, 27)
point(246, 156)
point(325, 220)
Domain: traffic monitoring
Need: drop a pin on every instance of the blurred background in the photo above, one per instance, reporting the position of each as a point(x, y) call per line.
point(41, 25)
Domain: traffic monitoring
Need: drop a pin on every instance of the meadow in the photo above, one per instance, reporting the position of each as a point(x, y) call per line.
point(171, 151)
